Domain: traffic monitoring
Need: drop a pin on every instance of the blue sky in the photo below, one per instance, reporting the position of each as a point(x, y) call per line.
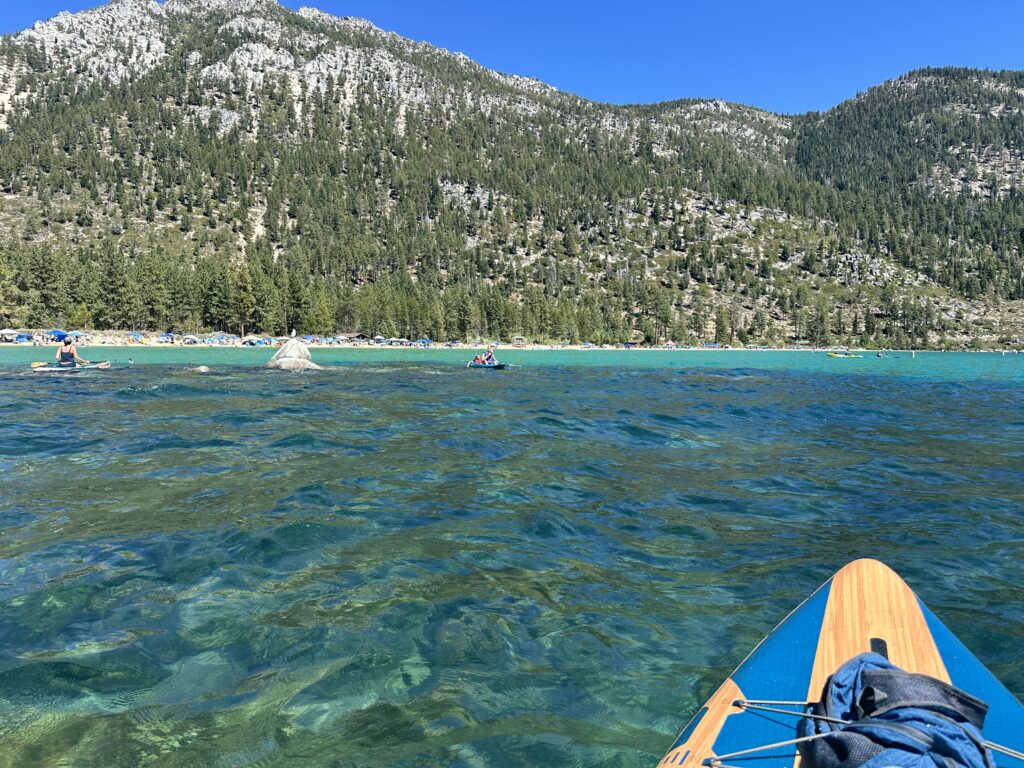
point(783, 55)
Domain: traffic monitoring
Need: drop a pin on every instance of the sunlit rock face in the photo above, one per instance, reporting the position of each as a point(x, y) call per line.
point(293, 356)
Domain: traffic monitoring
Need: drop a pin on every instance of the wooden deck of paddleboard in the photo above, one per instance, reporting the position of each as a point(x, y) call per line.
point(866, 600)
point(869, 600)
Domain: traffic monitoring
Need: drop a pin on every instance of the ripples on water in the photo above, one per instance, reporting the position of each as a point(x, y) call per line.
point(416, 565)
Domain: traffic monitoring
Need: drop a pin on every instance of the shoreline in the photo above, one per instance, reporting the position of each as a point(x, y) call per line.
point(150, 340)
point(122, 340)
point(473, 349)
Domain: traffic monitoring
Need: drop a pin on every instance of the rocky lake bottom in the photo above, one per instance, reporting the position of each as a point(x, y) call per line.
point(398, 561)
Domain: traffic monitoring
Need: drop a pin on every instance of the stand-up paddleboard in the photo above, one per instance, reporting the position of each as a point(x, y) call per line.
point(865, 607)
point(45, 368)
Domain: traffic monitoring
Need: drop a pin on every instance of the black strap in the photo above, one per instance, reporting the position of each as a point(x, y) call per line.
point(889, 689)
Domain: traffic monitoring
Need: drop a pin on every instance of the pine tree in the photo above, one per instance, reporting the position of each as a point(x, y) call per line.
point(13, 311)
point(242, 299)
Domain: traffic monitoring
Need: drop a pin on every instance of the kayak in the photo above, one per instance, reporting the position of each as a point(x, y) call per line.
point(70, 368)
point(492, 366)
point(864, 607)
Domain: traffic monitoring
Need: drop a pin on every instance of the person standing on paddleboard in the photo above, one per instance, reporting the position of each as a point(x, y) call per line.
point(67, 354)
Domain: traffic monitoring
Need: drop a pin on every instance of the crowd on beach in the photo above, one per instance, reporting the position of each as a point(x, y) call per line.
point(342, 340)
point(135, 338)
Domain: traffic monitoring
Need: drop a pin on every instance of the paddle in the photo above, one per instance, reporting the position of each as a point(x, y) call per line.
point(104, 365)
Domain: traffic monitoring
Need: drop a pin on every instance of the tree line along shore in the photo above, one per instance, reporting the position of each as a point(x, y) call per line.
point(269, 298)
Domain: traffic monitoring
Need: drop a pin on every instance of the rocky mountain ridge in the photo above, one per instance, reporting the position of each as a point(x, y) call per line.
point(242, 133)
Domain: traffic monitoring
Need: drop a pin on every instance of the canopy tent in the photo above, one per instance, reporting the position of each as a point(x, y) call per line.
point(57, 333)
point(76, 334)
point(8, 333)
point(165, 336)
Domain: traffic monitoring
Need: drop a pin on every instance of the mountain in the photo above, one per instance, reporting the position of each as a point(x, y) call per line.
point(232, 164)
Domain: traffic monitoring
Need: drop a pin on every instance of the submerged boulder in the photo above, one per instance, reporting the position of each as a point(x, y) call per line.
point(293, 356)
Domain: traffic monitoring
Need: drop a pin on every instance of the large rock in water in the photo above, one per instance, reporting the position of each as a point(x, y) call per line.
point(293, 356)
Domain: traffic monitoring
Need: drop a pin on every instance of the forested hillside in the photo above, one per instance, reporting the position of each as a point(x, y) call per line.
point(233, 165)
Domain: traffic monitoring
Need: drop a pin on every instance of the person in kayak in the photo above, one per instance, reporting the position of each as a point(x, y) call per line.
point(67, 354)
point(489, 358)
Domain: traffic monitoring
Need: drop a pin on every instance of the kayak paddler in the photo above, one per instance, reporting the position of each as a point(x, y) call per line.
point(67, 354)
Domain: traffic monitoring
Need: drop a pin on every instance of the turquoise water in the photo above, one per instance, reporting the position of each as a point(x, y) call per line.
point(402, 562)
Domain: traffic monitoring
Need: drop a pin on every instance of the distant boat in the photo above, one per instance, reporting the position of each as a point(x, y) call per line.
point(847, 355)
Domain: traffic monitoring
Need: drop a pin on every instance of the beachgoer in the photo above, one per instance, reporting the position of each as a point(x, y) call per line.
point(67, 354)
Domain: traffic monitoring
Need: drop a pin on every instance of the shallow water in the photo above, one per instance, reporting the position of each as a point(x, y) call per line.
point(401, 562)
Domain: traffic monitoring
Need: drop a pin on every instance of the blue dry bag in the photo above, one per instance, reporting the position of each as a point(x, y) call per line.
point(893, 718)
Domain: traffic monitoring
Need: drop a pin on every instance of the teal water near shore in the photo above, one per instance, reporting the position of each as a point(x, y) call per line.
point(956, 366)
point(402, 562)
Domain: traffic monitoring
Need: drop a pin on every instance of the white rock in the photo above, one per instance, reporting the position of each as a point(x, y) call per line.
point(293, 356)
